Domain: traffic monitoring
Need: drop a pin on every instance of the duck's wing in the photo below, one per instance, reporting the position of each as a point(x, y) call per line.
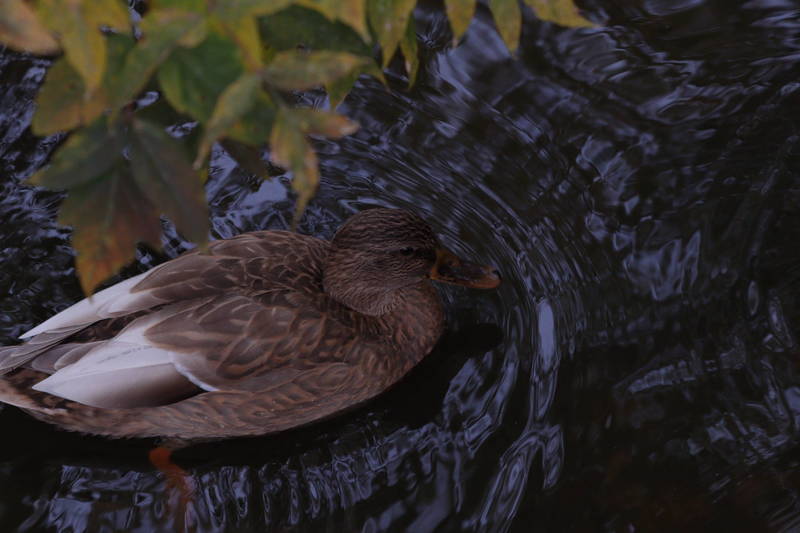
point(256, 343)
point(186, 277)
point(108, 303)
point(133, 295)
point(105, 304)
point(254, 261)
point(226, 343)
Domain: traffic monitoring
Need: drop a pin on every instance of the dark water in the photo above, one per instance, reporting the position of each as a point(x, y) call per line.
point(639, 370)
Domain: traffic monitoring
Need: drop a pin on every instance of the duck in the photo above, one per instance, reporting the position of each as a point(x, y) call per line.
point(255, 334)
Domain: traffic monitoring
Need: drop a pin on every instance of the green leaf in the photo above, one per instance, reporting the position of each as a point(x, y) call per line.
point(255, 126)
point(109, 216)
point(111, 13)
point(409, 48)
point(299, 70)
point(232, 10)
point(86, 154)
point(165, 175)
point(338, 89)
point(195, 6)
point(193, 79)
point(244, 33)
point(389, 19)
point(163, 32)
point(84, 45)
point(247, 157)
point(161, 112)
point(460, 13)
point(236, 100)
point(196, 35)
point(62, 103)
point(295, 26)
point(78, 23)
point(351, 12)
point(508, 19)
point(21, 30)
point(290, 149)
point(562, 12)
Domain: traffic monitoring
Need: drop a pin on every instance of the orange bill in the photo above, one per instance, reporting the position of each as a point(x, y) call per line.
point(450, 269)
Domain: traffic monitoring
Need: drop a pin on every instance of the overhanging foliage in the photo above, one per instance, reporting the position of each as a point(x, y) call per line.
point(225, 64)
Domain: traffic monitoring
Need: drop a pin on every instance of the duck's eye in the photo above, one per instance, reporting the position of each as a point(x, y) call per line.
point(408, 251)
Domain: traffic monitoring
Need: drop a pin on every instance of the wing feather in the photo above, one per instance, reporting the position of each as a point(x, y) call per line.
point(126, 371)
point(249, 261)
point(107, 303)
point(240, 342)
point(12, 357)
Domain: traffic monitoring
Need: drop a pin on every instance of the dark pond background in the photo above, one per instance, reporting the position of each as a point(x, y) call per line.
point(639, 186)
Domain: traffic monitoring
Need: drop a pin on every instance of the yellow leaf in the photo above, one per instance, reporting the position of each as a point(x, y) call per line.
point(290, 149)
point(62, 103)
point(508, 19)
point(111, 13)
point(327, 124)
point(21, 30)
point(326, 7)
point(84, 45)
point(389, 19)
point(194, 36)
point(460, 13)
point(244, 32)
point(296, 70)
point(353, 13)
point(561, 12)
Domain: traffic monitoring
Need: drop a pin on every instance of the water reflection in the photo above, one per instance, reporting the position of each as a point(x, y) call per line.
point(638, 183)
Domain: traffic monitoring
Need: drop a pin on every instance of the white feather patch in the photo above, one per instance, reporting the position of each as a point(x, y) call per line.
point(129, 349)
point(122, 371)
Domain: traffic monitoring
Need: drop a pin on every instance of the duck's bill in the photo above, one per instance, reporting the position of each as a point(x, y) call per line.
point(450, 269)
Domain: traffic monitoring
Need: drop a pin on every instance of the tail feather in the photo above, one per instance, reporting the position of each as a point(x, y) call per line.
point(12, 357)
point(61, 355)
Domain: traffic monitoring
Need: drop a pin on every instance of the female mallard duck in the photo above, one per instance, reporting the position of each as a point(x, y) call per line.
point(257, 334)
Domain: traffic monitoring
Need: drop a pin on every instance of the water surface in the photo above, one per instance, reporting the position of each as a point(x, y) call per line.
point(638, 184)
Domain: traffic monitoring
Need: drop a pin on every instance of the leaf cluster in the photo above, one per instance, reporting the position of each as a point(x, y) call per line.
point(223, 66)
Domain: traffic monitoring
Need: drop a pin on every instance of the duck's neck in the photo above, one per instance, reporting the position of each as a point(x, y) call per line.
point(371, 302)
point(345, 281)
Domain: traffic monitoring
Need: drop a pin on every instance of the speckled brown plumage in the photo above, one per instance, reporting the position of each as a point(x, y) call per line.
point(268, 331)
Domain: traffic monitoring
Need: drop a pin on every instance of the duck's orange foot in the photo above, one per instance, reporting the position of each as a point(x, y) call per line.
point(179, 482)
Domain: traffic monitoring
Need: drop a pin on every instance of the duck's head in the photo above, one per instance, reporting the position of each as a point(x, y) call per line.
point(378, 251)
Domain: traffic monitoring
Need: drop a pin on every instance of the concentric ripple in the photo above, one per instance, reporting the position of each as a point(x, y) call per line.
point(637, 184)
